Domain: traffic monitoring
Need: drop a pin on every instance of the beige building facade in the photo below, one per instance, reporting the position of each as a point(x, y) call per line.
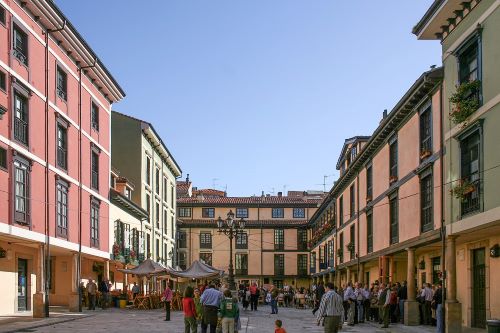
point(273, 248)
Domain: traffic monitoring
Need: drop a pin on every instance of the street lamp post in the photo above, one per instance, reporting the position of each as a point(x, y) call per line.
point(231, 229)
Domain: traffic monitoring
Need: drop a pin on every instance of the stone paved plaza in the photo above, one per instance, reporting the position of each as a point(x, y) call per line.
point(126, 320)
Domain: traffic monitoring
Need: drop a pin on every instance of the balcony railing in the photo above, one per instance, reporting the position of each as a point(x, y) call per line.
point(21, 130)
point(279, 246)
point(471, 202)
point(241, 271)
point(279, 271)
point(20, 56)
point(95, 180)
point(241, 246)
point(302, 272)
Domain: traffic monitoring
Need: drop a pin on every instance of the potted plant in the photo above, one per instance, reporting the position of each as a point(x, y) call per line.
point(464, 101)
point(116, 250)
point(392, 179)
point(424, 153)
point(340, 253)
point(350, 246)
point(3, 252)
point(463, 188)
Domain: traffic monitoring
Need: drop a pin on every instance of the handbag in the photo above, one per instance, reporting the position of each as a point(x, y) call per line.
point(163, 299)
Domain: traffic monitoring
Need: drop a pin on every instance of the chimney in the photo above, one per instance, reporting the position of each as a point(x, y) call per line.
point(280, 194)
point(384, 115)
point(262, 194)
point(187, 178)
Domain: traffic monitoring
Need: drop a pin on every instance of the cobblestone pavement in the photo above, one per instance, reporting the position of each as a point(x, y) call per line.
point(127, 320)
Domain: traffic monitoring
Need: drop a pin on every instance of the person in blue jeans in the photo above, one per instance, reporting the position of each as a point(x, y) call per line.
point(402, 296)
point(437, 301)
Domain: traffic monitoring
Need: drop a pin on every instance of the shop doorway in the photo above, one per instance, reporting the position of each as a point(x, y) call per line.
point(22, 285)
point(478, 288)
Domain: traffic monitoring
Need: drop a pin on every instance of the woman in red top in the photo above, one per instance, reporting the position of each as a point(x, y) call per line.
point(189, 311)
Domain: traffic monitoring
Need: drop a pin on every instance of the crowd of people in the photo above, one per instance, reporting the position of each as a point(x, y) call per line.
point(208, 306)
point(378, 302)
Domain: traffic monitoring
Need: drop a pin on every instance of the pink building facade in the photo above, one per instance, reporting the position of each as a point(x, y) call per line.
point(55, 105)
point(382, 219)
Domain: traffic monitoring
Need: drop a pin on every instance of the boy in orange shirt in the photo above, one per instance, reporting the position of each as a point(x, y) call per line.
point(278, 329)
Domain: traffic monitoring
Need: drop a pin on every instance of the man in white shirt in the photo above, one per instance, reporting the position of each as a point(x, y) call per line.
point(331, 309)
point(350, 297)
point(426, 296)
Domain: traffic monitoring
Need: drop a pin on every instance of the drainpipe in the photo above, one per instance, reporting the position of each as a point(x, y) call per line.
point(360, 278)
point(47, 215)
point(79, 262)
point(261, 245)
point(443, 224)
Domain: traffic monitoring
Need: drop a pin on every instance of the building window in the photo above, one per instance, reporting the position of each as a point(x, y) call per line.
point(469, 61)
point(369, 183)
point(352, 203)
point(369, 231)
point(312, 263)
point(426, 200)
point(2, 15)
point(148, 246)
point(62, 84)
point(3, 81)
point(302, 264)
point(21, 118)
point(157, 181)
point(172, 197)
point(330, 251)
point(299, 213)
point(279, 264)
point(242, 240)
point(165, 228)
point(94, 223)
point(341, 210)
point(206, 258)
point(157, 248)
point(21, 191)
point(426, 130)
point(148, 203)
point(62, 209)
point(302, 239)
point(95, 169)
point(3, 158)
point(393, 160)
point(208, 213)
point(184, 212)
point(322, 259)
point(182, 260)
point(157, 215)
point(352, 236)
point(242, 213)
point(172, 224)
point(278, 213)
point(62, 146)
point(241, 264)
point(279, 239)
point(341, 248)
point(182, 240)
point(128, 193)
point(205, 240)
point(470, 166)
point(148, 170)
point(394, 218)
point(94, 116)
point(20, 48)
point(165, 189)
point(354, 152)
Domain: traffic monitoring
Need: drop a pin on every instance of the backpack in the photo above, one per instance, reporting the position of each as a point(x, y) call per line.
point(268, 298)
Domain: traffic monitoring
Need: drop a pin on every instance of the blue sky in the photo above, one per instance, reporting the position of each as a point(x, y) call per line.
point(257, 95)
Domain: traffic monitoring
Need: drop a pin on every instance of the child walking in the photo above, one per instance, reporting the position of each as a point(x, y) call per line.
point(277, 327)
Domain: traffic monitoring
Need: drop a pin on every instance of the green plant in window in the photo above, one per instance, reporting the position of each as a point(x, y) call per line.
point(463, 188)
point(464, 101)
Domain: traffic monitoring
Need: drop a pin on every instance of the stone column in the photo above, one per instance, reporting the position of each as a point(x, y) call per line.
point(453, 309)
point(337, 279)
point(330, 277)
point(74, 299)
point(392, 269)
point(348, 275)
point(39, 296)
point(125, 280)
point(411, 313)
point(106, 270)
point(361, 273)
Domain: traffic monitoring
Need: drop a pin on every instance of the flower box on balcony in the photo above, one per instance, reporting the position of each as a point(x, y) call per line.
point(462, 189)
point(350, 247)
point(425, 153)
point(393, 179)
point(465, 101)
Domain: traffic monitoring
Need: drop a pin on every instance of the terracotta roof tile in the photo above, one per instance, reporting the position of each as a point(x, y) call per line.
point(249, 200)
